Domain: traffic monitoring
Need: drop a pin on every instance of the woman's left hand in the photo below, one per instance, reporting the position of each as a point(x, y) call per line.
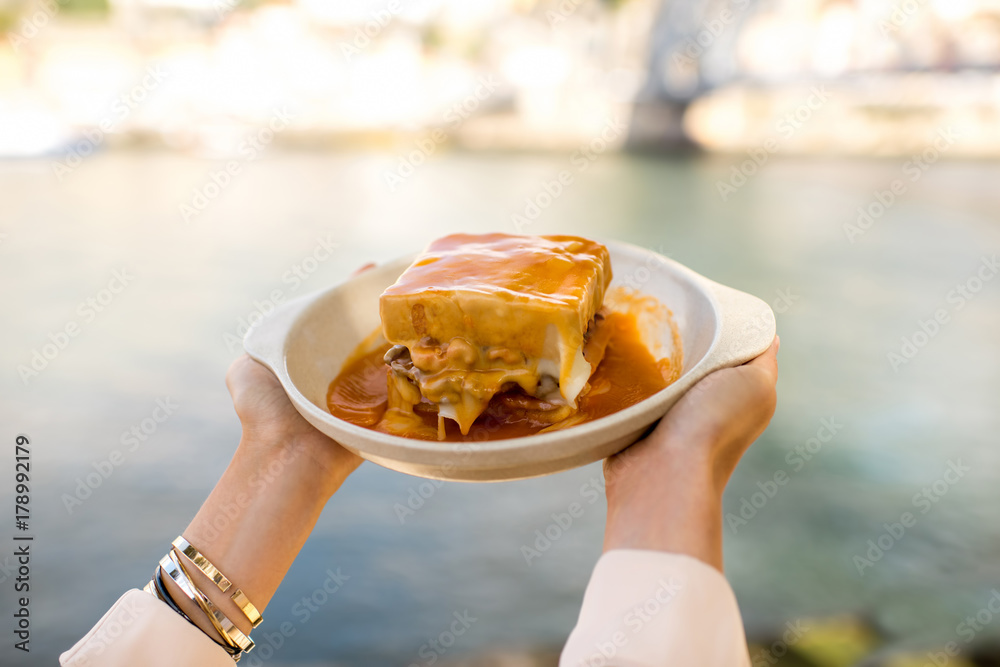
point(274, 429)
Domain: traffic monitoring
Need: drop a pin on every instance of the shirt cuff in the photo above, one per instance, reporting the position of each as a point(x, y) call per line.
point(648, 608)
point(142, 630)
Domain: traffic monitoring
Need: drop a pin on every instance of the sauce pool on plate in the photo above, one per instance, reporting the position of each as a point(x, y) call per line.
point(627, 374)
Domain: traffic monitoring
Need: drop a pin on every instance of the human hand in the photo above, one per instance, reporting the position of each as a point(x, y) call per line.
point(273, 430)
point(665, 492)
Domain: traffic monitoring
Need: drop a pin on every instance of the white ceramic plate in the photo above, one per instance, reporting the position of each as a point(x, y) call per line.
point(306, 341)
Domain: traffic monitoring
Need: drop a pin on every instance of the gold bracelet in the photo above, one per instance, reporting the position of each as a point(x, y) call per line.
point(210, 610)
point(202, 563)
point(220, 580)
point(229, 632)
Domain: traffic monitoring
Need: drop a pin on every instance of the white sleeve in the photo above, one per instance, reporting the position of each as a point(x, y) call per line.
point(647, 608)
point(142, 630)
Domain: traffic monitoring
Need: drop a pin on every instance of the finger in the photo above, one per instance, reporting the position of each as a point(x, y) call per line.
point(235, 370)
point(768, 362)
point(245, 372)
point(362, 269)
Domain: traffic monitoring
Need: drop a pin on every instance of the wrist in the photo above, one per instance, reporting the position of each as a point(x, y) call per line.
point(315, 464)
point(696, 461)
point(690, 526)
point(673, 505)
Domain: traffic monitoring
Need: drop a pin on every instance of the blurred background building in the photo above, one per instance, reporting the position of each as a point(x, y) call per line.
point(501, 73)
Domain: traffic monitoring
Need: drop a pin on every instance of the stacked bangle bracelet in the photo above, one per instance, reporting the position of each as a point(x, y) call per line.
point(229, 636)
point(229, 633)
point(160, 591)
point(220, 580)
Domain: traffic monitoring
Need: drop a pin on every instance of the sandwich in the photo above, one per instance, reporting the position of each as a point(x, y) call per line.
point(512, 321)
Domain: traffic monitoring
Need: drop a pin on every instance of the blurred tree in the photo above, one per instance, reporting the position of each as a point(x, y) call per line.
point(85, 6)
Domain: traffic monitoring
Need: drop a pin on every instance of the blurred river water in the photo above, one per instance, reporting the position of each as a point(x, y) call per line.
point(890, 378)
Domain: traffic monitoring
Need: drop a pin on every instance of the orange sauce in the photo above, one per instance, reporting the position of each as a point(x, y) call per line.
point(628, 374)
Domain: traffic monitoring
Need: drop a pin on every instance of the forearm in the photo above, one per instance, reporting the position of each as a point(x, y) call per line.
point(254, 523)
point(657, 595)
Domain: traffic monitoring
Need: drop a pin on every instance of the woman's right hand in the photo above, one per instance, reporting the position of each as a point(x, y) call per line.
point(665, 491)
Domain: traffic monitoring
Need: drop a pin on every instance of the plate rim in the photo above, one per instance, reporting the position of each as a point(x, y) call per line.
point(267, 342)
